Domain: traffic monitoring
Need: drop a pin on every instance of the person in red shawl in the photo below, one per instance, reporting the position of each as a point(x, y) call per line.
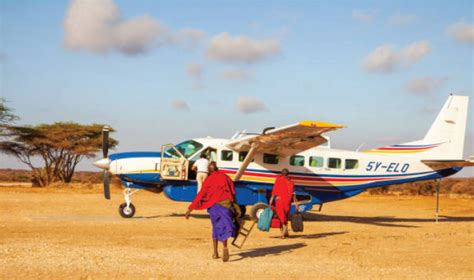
point(217, 196)
point(282, 192)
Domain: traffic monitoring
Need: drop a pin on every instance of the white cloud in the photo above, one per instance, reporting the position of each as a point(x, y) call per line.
point(137, 35)
point(187, 37)
point(226, 48)
point(385, 59)
point(248, 105)
point(462, 32)
point(363, 16)
point(424, 85)
point(235, 74)
point(180, 105)
point(194, 70)
point(401, 20)
point(415, 51)
point(382, 59)
point(96, 26)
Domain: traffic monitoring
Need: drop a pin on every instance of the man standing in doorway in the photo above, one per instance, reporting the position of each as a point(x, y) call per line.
point(201, 166)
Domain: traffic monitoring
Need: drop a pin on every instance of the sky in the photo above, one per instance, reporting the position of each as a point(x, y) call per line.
point(166, 71)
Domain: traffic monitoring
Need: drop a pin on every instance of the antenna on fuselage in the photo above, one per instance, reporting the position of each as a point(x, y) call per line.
point(360, 147)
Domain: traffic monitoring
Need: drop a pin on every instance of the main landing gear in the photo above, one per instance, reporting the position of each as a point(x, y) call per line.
point(127, 209)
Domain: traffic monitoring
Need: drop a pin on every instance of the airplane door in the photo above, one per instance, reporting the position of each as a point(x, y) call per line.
point(174, 165)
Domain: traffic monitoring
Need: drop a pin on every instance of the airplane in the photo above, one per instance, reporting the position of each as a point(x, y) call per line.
point(320, 173)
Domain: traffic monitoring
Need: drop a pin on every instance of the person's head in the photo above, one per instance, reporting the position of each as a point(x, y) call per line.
point(203, 155)
point(285, 172)
point(213, 166)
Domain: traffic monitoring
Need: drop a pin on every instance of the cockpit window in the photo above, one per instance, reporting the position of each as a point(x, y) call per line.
point(187, 148)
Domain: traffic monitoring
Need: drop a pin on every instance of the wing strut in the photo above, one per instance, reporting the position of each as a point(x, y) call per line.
point(247, 160)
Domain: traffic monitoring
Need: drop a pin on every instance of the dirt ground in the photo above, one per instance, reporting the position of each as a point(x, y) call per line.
point(57, 233)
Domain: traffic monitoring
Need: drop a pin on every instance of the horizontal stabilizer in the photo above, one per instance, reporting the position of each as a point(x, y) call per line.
point(442, 164)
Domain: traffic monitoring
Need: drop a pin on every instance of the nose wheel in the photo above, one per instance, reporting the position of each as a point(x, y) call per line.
point(126, 211)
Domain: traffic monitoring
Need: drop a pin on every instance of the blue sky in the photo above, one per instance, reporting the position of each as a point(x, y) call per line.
point(164, 71)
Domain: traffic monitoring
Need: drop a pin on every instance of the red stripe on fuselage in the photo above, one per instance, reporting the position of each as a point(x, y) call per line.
point(315, 178)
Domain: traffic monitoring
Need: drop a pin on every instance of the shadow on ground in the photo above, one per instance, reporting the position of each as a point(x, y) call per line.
point(196, 216)
point(312, 236)
point(384, 221)
point(266, 251)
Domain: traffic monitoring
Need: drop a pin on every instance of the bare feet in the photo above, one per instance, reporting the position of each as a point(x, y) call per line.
point(225, 255)
point(215, 256)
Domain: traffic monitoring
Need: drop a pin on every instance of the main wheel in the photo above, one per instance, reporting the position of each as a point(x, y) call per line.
point(126, 212)
point(257, 210)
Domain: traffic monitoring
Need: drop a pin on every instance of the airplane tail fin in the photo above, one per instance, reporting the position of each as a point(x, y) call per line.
point(445, 138)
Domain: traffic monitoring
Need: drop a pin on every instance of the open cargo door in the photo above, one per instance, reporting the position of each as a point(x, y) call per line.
point(174, 165)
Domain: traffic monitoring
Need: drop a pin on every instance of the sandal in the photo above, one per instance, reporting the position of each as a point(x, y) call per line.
point(214, 256)
point(225, 254)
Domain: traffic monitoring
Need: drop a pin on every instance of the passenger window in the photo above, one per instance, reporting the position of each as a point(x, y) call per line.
point(270, 159)
point(352, 164)
point(297, 160)
point(316, 161)
point(242, 156)
point(334, 163)
point(227, 155)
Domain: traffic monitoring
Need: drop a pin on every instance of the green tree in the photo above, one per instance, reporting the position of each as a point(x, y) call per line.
point(60, 146)
point(6, 115)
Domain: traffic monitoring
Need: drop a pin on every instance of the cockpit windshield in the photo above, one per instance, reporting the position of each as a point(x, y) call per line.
point(187, 148)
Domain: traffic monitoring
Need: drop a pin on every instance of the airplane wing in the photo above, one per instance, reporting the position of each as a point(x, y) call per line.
point(287, 140)
point(283, 141)
point(442, 164)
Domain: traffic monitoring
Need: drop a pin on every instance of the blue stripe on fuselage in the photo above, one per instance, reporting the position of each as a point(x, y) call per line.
point(134, 155)
point(154, 178)
point(330, 175)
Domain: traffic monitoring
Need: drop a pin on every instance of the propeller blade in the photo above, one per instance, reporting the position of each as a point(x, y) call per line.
point(106, 184)
point(105, 141)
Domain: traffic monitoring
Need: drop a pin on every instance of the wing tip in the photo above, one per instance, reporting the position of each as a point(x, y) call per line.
point(321, 124)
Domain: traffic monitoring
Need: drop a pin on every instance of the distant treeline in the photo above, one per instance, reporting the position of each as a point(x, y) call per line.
point(461, 186)
point(23, 176)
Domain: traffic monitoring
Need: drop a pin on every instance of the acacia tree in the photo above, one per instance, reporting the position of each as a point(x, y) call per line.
point(61, 146)
point(6, 115)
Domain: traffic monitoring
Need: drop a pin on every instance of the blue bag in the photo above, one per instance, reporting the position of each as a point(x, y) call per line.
point(265, 219)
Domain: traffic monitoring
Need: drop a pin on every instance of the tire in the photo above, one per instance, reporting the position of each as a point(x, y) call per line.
point(126, 212)
point(256, 210)
point(243, 211)
point(297, 223)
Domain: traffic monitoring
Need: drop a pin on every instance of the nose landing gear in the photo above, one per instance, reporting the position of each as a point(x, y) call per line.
point(127, 209)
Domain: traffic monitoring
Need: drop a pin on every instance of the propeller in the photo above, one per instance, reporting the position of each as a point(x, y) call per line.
point(105, 141)
point(105, 152)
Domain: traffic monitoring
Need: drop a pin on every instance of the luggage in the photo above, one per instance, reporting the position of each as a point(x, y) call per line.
point(265, 219)
point(297, 222)
point(275, 222)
